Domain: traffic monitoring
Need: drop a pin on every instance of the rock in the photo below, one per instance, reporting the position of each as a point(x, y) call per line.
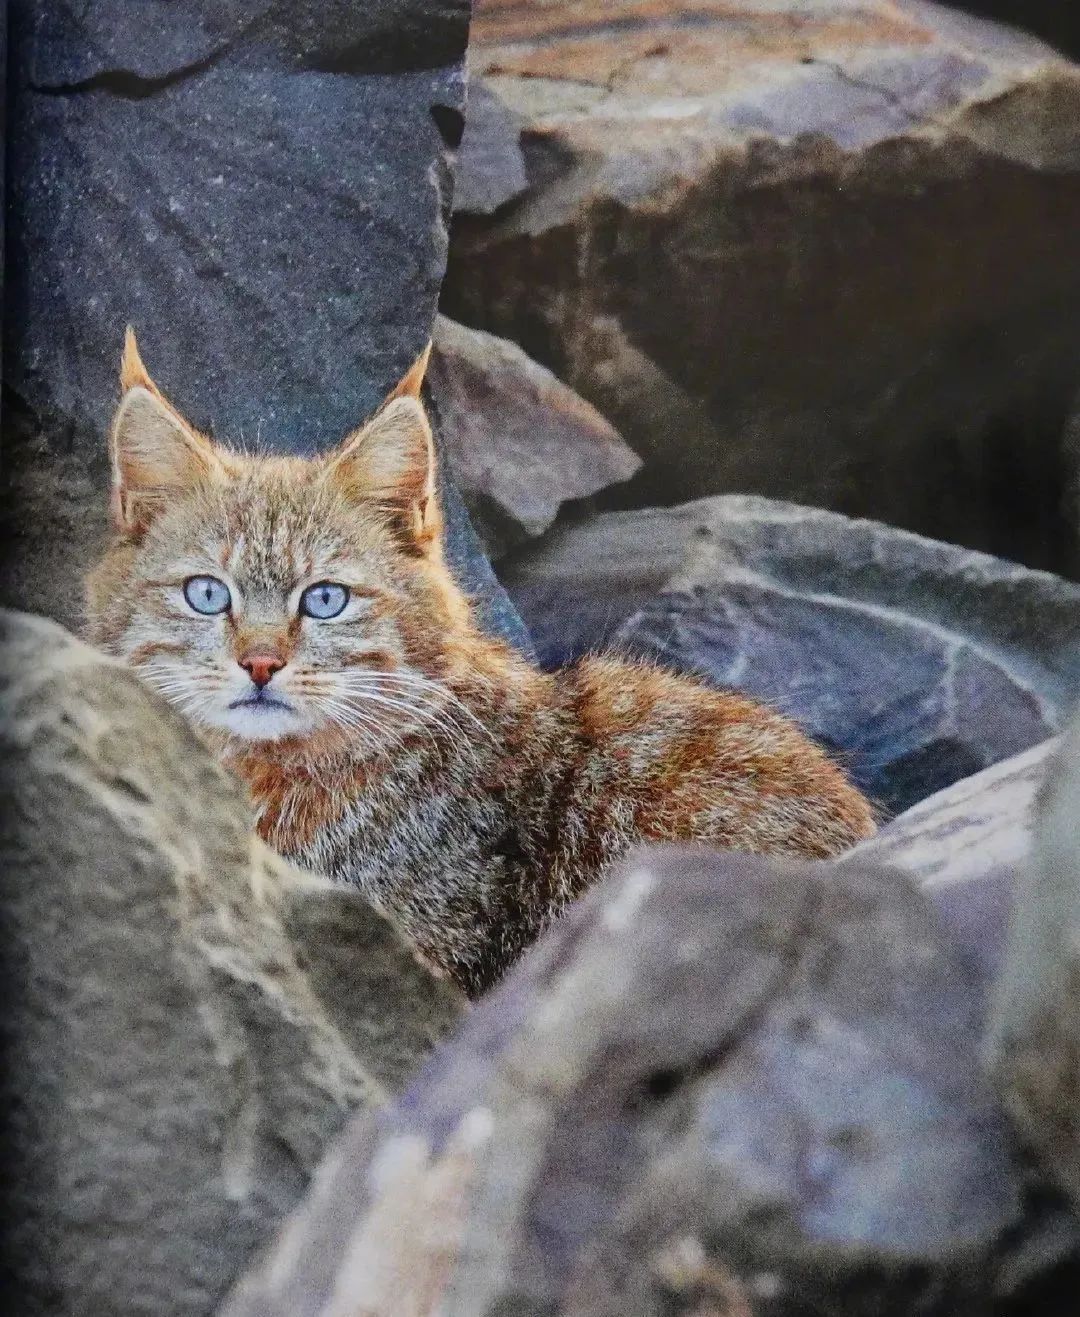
point(918, 662)
point(262, 190)
point(1034, 1037)
point(966, 846)
point(519, 442)
point(489, 168)
point(1048, 19)
point(757, 239)
point(187, 1018)
point(718, 1085)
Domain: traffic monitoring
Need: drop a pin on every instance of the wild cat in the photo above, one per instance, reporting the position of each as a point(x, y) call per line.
point(301, 614)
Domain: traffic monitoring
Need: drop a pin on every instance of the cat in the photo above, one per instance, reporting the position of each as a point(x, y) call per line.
point(301, 613)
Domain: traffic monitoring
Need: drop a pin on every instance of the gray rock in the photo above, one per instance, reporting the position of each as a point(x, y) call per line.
point(759, 242)
point(719, 1085)
point(489, 168)
point(1034, 1037)
point(261, 188)
point(966, 847)
point(184, 1024)
point(918, 662)
point(520, 443)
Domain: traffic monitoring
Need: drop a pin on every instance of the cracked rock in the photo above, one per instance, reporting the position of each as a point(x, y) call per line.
point(718, 1085)
point(789, 249)
point(918, 662)
point(520, 443)
point(262, 189)
point(187, 1019)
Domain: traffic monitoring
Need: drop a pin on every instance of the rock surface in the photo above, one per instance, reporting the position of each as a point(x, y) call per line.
point(787, 249)
point(520, 443)
point(966, 847)
point(262, 190)
point(717, 1086)
point(1049, 19)
point(918, 662)
point(187, 1019)
point(1035, 1033)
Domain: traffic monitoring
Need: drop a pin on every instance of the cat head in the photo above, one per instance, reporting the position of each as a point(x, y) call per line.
point(275, 598)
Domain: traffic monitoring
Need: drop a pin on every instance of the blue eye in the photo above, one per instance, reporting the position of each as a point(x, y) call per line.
point(206, 594)
point(323, 600)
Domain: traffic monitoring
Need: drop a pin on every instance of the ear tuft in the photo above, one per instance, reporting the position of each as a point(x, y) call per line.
point(411, 382)
point(133, 373)
point(390, 463)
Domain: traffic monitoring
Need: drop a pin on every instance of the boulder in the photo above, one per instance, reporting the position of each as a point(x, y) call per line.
point(719, 1085)
point(918, 662)
point(187, 1018)
point(788, 249)
point(520, 443)
point(966, 847)
point(262, 189)
point(1034, 1037)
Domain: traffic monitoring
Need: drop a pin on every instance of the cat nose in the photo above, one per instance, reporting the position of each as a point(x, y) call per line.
point(261, 667)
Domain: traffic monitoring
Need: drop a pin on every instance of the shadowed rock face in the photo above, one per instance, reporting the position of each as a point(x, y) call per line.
point(717, 1086)
point(261, 188)
point(187, 1019)
point(788, 250)
point(918, 662)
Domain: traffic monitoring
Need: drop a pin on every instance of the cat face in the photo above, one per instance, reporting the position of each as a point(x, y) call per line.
point(276, 598)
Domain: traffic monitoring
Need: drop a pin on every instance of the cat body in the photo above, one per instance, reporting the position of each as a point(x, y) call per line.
point(390, 743)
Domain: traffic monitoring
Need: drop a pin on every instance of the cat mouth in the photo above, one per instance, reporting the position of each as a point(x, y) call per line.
point(259, 699)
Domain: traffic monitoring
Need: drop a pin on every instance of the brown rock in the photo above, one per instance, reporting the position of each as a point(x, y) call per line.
point(520, 443)
point(187, 1019)
point(719, 1085)
point(818, 252)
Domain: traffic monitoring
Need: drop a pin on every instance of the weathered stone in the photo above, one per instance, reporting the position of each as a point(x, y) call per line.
point(1035, 1034)
point(519, 442)
point(790, 249)
point(718, 1085)
point(965, 846)
point(489, 168)
point(261, 188)
point(919, 662)
point(184, 1028)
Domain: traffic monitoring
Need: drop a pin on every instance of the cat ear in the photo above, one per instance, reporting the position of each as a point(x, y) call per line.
point(154, 452)
point(390, 462)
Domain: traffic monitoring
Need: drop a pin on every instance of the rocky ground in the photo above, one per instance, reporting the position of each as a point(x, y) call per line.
point(757, 357)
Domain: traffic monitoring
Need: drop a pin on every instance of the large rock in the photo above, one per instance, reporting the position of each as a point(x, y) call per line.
point(920, 663)
point(1034, 1037)
point(187, 1019)
point(817, 251)
point(520, 443)
point(718, 1086)
point(966, 847)
point(262, 190)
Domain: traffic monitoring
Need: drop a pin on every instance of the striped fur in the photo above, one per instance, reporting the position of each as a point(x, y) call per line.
point(470, 795)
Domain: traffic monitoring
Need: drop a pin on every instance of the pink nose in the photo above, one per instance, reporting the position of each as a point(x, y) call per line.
point(261, 667)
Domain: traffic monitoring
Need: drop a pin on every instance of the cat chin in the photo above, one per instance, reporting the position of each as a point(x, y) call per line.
point(260, 724)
